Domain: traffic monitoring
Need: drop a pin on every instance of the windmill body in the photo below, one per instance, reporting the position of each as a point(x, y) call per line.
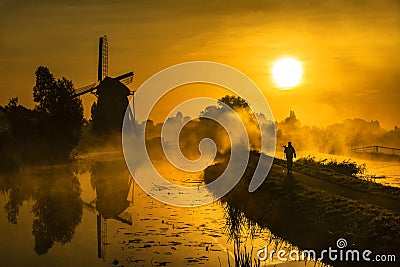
point(111, 105)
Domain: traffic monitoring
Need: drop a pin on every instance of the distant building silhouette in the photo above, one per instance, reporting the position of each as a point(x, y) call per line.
point(292, 117)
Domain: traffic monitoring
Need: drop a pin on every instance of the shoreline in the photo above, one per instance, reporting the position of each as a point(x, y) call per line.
point(312, 218)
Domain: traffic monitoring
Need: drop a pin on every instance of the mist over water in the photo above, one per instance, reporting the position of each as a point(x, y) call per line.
point(332, 142)
point(335, 142)
point(336, 138)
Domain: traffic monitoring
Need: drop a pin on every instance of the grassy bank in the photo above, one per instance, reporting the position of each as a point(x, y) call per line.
point(311, 218)
point(345, 173)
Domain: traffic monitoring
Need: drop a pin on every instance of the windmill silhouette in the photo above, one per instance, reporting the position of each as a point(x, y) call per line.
point(102, 72)
point(112, 95)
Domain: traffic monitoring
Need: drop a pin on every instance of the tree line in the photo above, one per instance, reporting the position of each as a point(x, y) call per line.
point(47, 133)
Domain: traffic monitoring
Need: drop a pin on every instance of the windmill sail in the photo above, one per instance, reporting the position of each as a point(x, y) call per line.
point(125, 78)
point(102, 68)
point(86, 89)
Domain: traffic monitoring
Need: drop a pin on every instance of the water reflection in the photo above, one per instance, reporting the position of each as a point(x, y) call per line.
point(112, 183)
point(114, 194)
point(237, 225)
point(245, 233)
point(57, 206)
point(93, 208)
point(239, 229)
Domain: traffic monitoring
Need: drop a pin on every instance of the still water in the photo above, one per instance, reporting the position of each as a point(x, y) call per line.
point(92, 213)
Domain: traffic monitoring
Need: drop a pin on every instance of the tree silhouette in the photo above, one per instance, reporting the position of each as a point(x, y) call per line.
point(248, 118)
point(234, 102)
point(93, 111)
point(61, 114)
point(19, 136)
point(45, 91)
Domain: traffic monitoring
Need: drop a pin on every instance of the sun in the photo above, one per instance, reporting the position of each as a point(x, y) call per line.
point(287, 72)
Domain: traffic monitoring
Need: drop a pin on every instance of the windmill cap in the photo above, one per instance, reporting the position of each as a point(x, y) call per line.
point(112, 86)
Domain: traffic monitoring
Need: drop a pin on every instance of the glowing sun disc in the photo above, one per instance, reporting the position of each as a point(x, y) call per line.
point(287, 72)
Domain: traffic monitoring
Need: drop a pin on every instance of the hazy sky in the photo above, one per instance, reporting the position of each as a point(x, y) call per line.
point(348, 49)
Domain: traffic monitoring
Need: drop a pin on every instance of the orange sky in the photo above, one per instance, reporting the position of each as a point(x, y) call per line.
point(349, 49)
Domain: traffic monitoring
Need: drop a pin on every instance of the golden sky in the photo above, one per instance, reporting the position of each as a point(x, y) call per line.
point(348, 49)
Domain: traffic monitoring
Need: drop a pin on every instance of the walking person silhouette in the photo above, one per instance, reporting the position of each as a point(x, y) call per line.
point(290, 152)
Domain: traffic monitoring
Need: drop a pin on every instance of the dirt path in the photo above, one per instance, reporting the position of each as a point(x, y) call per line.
point(344, 191)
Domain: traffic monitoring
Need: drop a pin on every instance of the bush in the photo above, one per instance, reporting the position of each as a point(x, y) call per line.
point(346, 167)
